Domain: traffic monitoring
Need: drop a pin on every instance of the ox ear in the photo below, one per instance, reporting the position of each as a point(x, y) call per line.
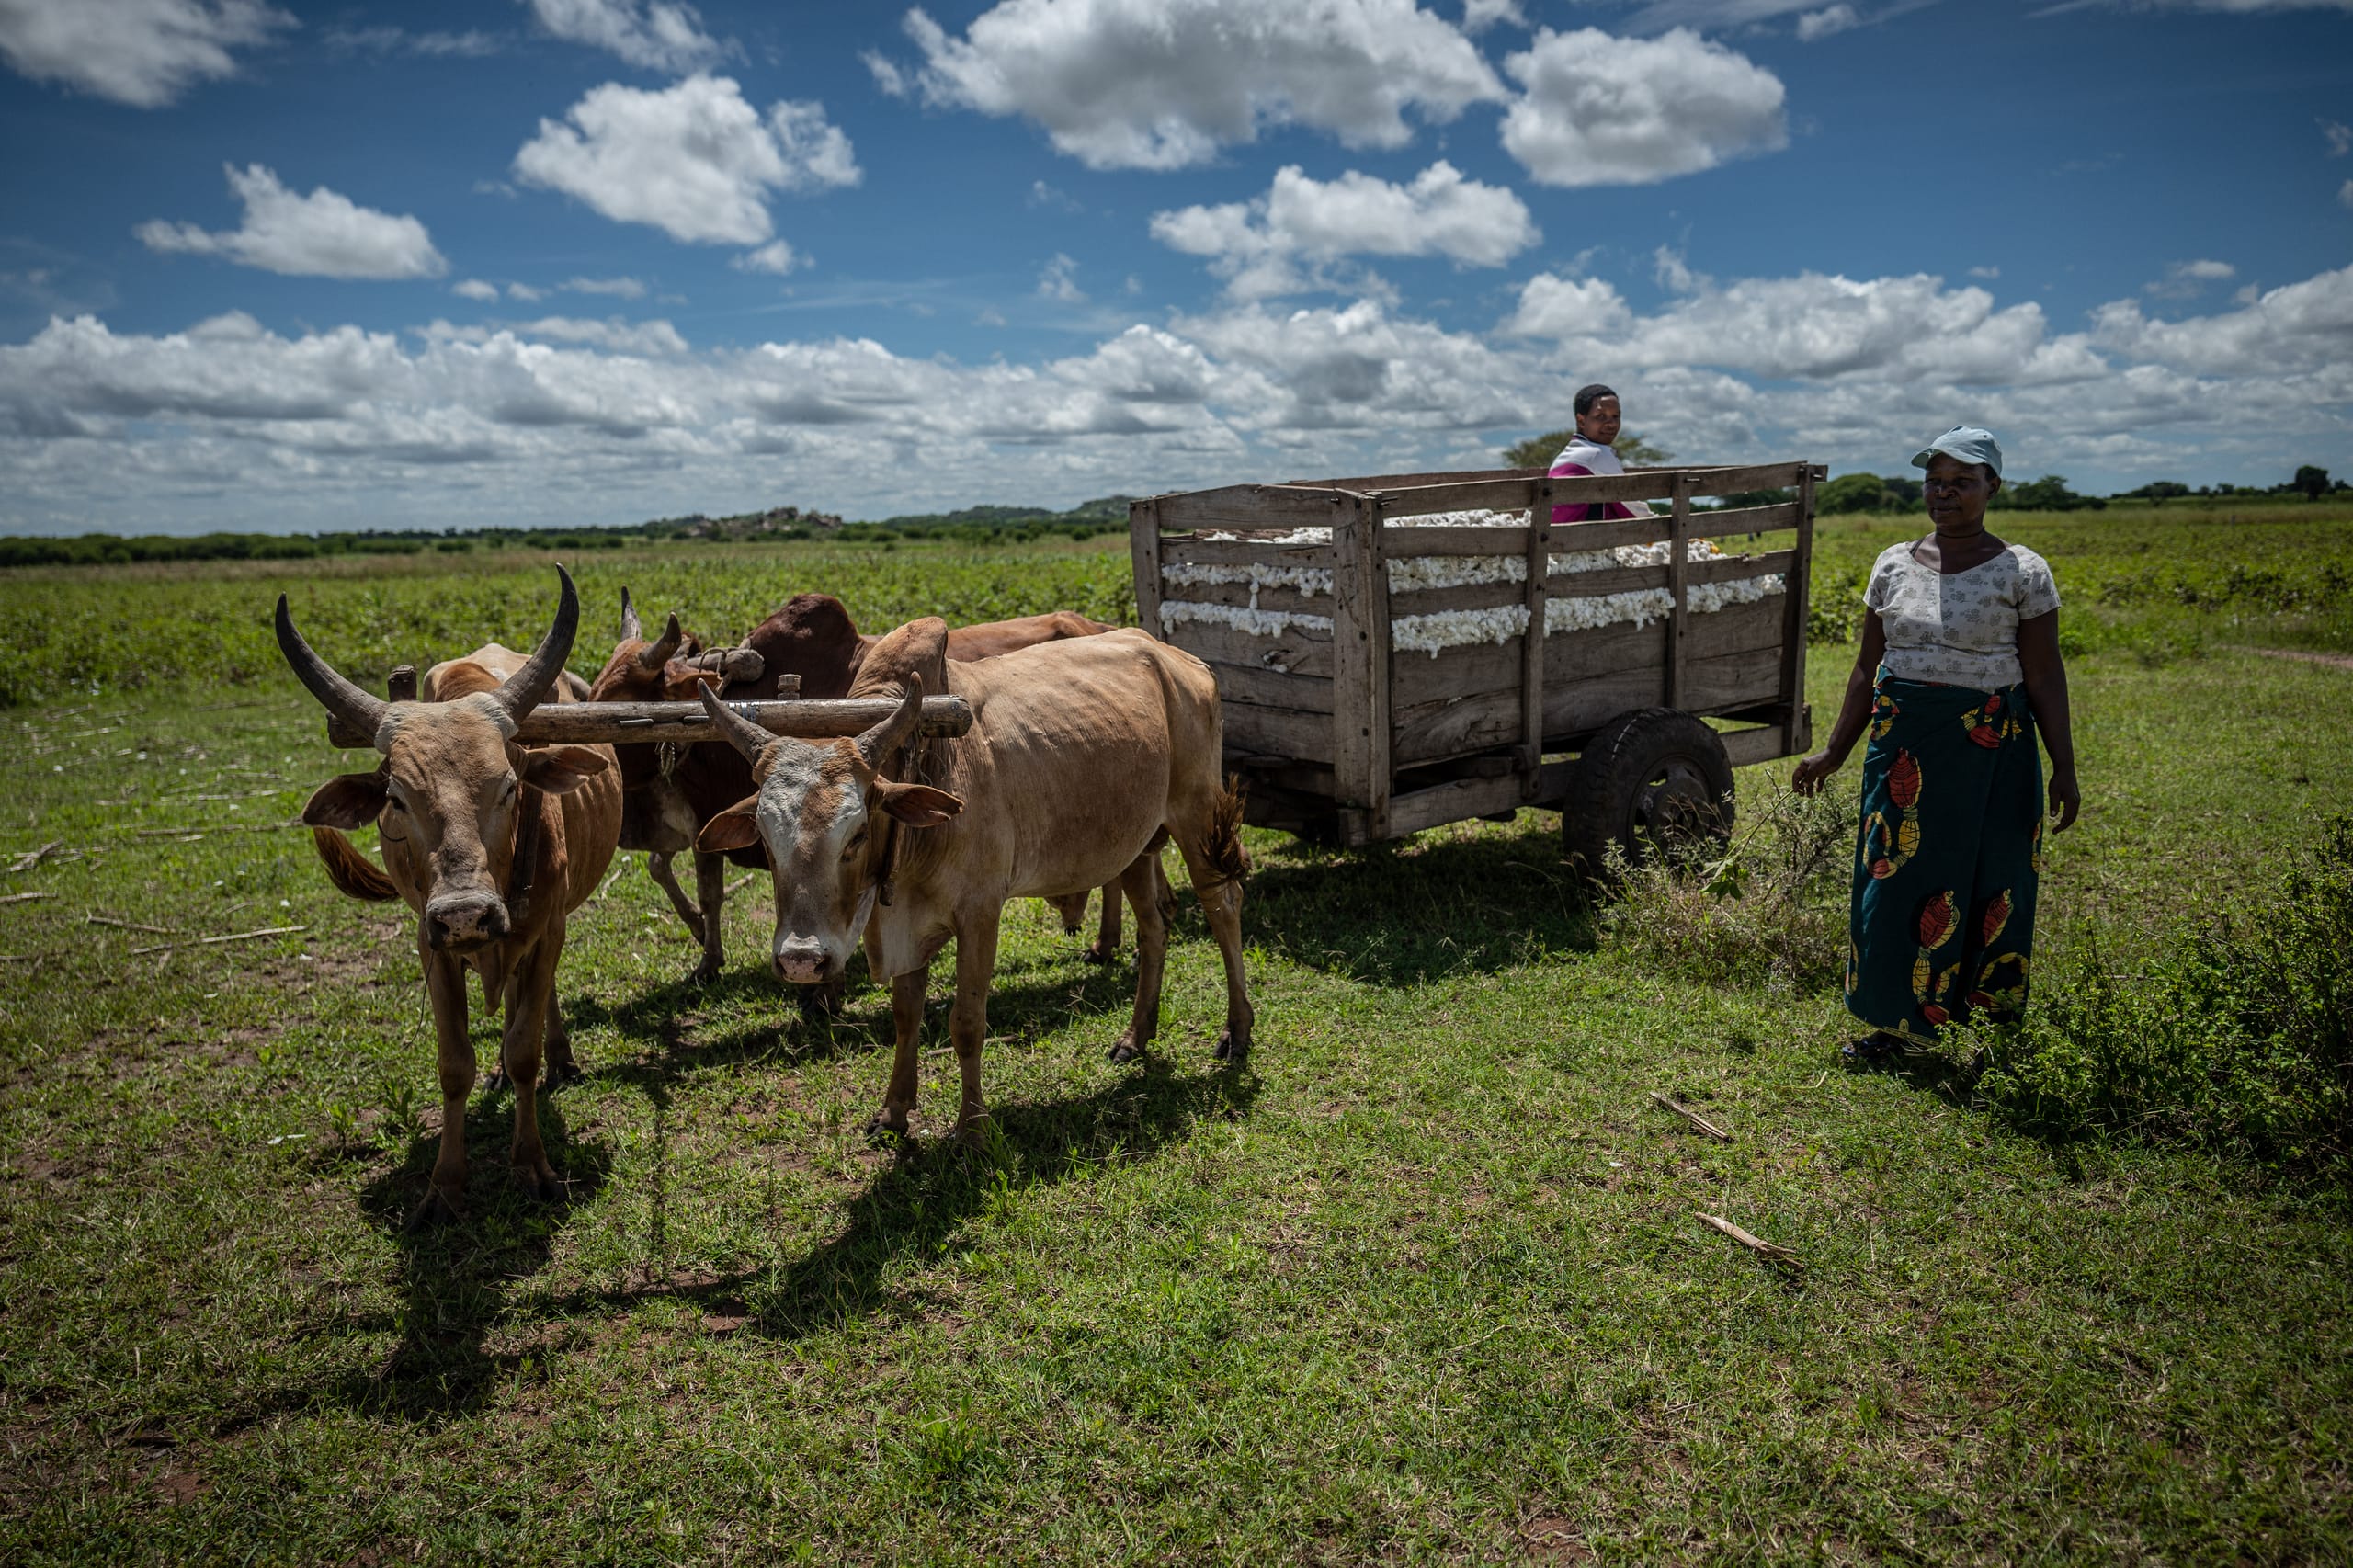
point(917, 805)
point(349, 801)
point(559, 770)
point(737, 827)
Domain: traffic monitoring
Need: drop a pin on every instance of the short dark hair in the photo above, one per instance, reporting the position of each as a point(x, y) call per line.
point(1589, 395)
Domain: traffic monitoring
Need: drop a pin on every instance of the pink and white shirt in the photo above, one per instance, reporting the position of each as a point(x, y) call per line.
point(1581, 458)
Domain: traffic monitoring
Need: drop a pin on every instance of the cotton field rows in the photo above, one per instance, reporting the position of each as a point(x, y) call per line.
point(1457, 628)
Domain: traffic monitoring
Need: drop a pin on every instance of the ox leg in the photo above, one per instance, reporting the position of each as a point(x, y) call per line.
point(1220, 895)
point(561, 1066)
point(1107, 930)
point(968, 1025)
point(445, 988)
point(658, 866)
point(711, 881)
point(1138, 881)
point(906, 1022)
point(530, 997)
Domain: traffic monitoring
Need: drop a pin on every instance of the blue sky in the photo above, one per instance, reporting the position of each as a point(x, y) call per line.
point(589, 261)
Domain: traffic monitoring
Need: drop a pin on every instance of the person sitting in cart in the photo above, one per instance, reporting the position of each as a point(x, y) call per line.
point(1959, 668)
point(1589, 452)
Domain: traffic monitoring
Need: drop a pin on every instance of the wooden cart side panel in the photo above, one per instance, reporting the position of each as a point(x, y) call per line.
point(1183, 550)
point(1286, 733)
point(1242, 596)
point(1273, 688)
point(1456, 725)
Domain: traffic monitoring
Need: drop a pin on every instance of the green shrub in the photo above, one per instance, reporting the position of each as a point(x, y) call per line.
point(2237, 1034)
point(1771, 906)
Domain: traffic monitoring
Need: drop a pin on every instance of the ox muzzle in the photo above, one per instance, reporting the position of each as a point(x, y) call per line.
point(463, 923)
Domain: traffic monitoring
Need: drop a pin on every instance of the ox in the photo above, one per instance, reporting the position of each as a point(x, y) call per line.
point(1082, 757)
point(673, 790)
point(492, 844)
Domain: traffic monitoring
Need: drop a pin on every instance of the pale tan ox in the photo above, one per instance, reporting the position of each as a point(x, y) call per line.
point(492, 844)
point(1084, 756)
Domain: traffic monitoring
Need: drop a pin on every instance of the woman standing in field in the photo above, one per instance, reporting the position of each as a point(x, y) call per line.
point(1959, 668)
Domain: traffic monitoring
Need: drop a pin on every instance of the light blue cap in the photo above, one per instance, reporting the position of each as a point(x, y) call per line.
point(1966, 443)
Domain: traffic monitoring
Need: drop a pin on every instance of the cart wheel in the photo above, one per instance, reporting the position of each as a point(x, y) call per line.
point(1655, 779)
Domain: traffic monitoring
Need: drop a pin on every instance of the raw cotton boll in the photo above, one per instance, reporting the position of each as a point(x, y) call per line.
point(1253, 622)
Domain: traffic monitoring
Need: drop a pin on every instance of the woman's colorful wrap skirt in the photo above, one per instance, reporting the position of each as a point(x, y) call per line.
point(1947, 859)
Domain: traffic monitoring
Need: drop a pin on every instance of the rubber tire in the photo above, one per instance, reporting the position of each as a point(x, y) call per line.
point(1653, 775)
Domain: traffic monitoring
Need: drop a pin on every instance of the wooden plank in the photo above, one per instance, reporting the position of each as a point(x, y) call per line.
point(1250, 506)
point(1276, 731)
point(1678, 588)
point(1532, 665)
point(1633, 579)
point(1724, 523)
point(1797, 731)
point(1476, 495)
point(1748, 747)
point(610, 723)
point(1181, 550)
point(1359, 636)
point(1608, 534)
point(1460, 799)
point(1470, 596)
point(1144, 552)
point(1295, 652)
point(1271, 689)
point(1753, 476)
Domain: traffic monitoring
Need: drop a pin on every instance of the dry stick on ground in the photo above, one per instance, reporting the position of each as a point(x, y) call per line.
point(607, 886)
point(210, 941)
point(1693, 1116)
point(32, 858)
point(126, 925)
point(1760, 1247)
point(20, 897)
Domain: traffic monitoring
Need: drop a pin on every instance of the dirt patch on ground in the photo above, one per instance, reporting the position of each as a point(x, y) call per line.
point(1551, 1539)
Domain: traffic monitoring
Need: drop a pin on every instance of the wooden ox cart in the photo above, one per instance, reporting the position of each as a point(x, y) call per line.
point(1380, 676)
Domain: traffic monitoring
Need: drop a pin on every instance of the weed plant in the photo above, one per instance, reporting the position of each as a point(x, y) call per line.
point(2236, 1032)
point(1770, 908)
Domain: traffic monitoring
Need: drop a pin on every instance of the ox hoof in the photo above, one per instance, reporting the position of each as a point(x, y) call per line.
point(539, 1182)
point(703, 973)
point(887, 1127)
point(1097, 953)
point(437, 1210)
point(495, 1083)
point(1129, 1048)
point(971, 1134)
point(558, 1073)
point(1233, 1047)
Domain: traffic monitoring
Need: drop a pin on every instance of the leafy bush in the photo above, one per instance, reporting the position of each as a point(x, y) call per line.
point(2236, 1035)
point(1771, 906)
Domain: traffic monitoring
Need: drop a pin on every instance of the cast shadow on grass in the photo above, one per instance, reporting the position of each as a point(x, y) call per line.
point(1413, 910)
point(457, 1283)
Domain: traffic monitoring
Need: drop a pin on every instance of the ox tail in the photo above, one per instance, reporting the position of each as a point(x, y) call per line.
point(1224, 847)
point(350, 869)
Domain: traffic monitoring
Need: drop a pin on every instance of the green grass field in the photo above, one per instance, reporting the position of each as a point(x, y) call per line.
point(1423, 1280)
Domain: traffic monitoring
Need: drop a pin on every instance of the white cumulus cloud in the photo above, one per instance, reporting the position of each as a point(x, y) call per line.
point(324, 234)
point(2184, 279)
point(1821, 24)
point(776, 258)
point(142, 53)
point(619, 288)
point(657, 36)
point(694, 160)
point(1604, 111)
point(1164, 84)
point(1254, 245)
point(474, 288)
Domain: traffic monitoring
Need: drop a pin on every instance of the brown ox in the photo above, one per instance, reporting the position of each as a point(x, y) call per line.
point(672, 791)
point(492, 844)
point(1082, 757)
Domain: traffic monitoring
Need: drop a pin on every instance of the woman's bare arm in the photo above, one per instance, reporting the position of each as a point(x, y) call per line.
point(1854, 714)
point(2046, 688)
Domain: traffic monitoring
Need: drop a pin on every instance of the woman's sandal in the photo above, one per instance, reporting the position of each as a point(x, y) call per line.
point(1870, 1050)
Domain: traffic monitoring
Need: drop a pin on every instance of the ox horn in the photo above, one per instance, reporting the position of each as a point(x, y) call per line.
point(631, 629)
point(741, 733)
point(358, 709)
point(892, 734)
point(527, 686)
point(655, 654)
